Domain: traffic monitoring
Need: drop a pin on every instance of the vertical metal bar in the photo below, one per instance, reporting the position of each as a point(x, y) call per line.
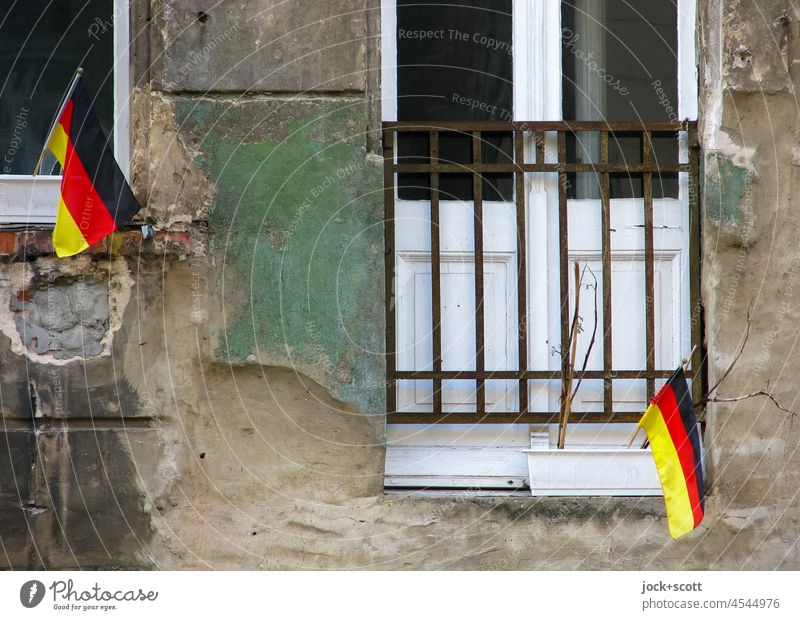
point(539, 137)
point(436, 274)
point(477, 198)
point(695, 258)
point(649, 266)
point(563, 263)
point(605, 206)
point(522, 271)
point(389, 265)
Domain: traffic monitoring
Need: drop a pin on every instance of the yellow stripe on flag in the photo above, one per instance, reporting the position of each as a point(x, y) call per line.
point(67, 237)
point(676, 496)
point(58, 144)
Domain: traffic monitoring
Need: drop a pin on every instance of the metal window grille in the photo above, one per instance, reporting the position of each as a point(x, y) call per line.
point(518, 166)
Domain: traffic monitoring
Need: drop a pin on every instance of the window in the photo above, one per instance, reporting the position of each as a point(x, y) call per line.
point(520, 138)
point(40, 51)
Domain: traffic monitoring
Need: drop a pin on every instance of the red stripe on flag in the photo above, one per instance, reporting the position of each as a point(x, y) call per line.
point(66, 117)
point(79, 194)
point(672, 418)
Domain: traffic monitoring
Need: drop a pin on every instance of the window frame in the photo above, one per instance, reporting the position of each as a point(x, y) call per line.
point(530, 25)
point(33, 200)
point(534, 41)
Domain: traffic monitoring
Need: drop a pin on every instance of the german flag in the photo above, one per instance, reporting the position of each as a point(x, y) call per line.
point(95, 197)
point(674, 435)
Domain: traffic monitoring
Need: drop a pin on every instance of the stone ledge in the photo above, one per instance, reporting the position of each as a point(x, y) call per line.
point(177, 244)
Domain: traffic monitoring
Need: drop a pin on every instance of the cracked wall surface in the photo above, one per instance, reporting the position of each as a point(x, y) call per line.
point(232, 418)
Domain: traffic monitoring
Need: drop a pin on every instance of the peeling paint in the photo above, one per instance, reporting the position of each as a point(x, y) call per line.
point(725, 185)
point(296, 219)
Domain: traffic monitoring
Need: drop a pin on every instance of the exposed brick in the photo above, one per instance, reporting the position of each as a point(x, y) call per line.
point(98, 248)
point(28, 245)
point(128, 242)
point(34, 243)
point(173, 242)
point(8, 243)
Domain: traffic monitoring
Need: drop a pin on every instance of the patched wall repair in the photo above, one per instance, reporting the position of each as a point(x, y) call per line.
point(66, 317)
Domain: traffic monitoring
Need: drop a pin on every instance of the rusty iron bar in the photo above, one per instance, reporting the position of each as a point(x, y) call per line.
point(519, 168)
point(482, 168)
point(477, 201)
point(389, 265)
point(649, 264)
point(539, 138)
point(511, 417)
point(522, 271)
point(699, 374)
point(436, 272)
point(605, 206)
point(539, 126)
point(563, 268)
point(529, 375)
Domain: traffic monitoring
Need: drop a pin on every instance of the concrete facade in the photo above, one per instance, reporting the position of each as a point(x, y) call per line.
point(225, 410)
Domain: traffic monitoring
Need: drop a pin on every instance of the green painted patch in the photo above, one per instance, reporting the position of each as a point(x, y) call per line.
point(724, 187)
point(298, 224)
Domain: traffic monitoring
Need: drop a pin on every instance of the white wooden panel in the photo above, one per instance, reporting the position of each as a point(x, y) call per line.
point(458, 328)
point(628, 294)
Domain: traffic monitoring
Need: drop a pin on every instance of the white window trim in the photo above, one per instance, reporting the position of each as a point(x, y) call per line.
point(490, 456)
point(29, 200)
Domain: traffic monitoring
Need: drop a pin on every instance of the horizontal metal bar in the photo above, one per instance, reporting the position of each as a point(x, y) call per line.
point(562, 168)
point(469, 126)
point(531, 417)
point(472, 375)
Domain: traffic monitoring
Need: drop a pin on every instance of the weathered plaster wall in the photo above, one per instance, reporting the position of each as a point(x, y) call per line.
point(236, 422)
point(751, 242)
point(297, 228)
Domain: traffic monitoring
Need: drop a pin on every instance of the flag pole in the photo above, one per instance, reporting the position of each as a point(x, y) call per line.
point(636, 432)
point(685, 363)
point(63, 105)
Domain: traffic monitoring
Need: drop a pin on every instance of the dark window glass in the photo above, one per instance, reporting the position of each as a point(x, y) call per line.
point(454, 64)
point(620, 63)
point(40, 49)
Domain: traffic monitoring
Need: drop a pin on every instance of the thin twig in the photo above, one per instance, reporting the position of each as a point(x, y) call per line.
point(566, 390)
point(712, 398)
point(741, 348)
point(594, 332)
point(761, 392)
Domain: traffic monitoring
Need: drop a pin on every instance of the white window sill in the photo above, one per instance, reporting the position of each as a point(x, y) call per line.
point(497, 459)
point(29, 200)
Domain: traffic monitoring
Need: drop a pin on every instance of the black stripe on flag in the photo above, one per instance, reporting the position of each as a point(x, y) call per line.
point(92, 147)
point(684, 399)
